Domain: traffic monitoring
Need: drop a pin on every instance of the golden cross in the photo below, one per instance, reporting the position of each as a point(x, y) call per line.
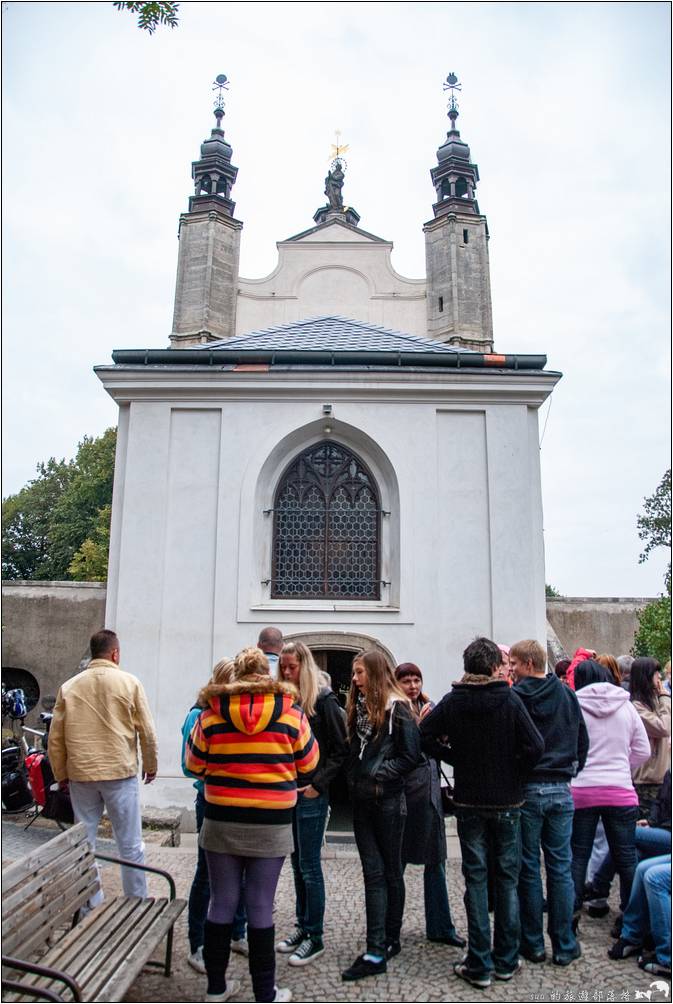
point(338, 148)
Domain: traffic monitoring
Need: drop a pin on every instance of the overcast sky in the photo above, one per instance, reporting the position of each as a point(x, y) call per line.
point(566, 110)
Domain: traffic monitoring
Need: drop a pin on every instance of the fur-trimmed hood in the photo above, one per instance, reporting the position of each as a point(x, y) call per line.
point(252, 703)
point(478, 695)
point(477, 680)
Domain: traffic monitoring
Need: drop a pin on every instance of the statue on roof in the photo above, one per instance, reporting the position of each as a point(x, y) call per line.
point(334, 182)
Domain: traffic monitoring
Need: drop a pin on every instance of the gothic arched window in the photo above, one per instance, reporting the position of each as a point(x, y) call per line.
point(326, 517)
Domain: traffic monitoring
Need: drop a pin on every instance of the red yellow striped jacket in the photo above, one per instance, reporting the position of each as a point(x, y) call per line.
point(248, 746)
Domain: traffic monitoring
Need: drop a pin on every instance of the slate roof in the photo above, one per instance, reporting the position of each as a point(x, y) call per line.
point(332, 333)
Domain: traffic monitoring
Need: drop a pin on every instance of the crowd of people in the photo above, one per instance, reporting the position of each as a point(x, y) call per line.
point(571, 767)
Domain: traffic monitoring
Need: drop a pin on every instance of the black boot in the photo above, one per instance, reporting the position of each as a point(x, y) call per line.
point(216, 944)
point(262, 962)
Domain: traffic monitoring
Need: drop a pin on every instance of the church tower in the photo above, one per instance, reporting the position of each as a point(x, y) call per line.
point(210, 237)
point(456, 247)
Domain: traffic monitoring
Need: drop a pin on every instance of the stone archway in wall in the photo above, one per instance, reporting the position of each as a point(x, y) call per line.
point(334, 650)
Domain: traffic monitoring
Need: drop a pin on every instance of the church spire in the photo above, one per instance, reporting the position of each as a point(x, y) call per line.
point(210, 237)
point(454, 178)
point(456, 246)
point(214, 174)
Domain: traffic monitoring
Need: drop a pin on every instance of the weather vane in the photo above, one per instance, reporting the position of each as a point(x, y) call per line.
point(220, 84)
point(452, 85)
point(338, 149)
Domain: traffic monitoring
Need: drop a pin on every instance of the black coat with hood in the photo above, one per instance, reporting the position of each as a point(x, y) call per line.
point(556, 712)
point(329, 728)
point(489, 738)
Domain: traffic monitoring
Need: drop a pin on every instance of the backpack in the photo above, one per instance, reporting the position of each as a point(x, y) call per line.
point(40, 776)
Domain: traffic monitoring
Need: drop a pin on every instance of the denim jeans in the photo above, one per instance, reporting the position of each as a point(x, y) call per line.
point(650, 842)
point(199, 894)
point(620, 826)
point(438, 921)
point(308, 829)
point(649, 908)
point(547, 823)
point(378, 826)
point(475, 828)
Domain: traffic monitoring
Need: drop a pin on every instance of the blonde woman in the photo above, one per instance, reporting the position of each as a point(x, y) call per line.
point(249, 745)
point(384, 748)
point(325, 717)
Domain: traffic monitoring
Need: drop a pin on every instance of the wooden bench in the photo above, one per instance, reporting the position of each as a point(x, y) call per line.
point(51, 954)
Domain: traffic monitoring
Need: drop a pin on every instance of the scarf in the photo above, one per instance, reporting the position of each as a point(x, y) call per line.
point(363, 726)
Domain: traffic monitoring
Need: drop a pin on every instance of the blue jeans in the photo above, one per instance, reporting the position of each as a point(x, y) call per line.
point(650, 842)
point(378, 826)
point(199, 894)
point(438, 921)
point(649, 908)
point(475, 828)
point(308, 829)
point(547, 823)
point(620, 829)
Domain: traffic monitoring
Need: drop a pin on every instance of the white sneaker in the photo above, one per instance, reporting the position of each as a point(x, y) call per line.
point(233, 986)
point(239, 945)
point(283, 994)
point(195, 960)
point(307, 952)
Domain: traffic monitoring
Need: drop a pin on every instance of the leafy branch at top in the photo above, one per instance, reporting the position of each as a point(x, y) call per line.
point(151, 15)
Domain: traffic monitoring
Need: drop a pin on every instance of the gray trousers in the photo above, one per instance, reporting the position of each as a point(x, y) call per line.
point(121, 800)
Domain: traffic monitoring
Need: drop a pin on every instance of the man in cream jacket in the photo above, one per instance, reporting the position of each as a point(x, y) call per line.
point(99, 716)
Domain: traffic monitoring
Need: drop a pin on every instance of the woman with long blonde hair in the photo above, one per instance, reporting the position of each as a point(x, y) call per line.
point(384, 748)
point(297, 666)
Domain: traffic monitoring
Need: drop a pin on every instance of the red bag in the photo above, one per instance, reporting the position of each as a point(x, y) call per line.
point(40, 776)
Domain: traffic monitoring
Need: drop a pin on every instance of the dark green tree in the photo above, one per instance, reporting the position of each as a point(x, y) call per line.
point(46, 523)
point(551, 593)
point(653, 637)
point(151, 15)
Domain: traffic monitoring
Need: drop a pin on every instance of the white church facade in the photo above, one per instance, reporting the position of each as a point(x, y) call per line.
point(333, 449)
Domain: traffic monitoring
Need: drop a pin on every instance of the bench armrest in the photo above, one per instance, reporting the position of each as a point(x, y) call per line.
point(33, 991)
point(144, 868)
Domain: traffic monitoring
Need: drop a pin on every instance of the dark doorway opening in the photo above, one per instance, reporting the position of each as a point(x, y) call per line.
point(338, 664)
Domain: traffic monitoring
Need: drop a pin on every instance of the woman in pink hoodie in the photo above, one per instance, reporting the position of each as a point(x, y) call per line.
point(603, 790)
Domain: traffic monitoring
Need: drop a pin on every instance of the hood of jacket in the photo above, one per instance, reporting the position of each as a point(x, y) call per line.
point(476, 695)
point(542, 693)
point(252, 704)
point(602, 699)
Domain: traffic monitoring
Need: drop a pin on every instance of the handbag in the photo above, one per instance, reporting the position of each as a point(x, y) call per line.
point(446, 795)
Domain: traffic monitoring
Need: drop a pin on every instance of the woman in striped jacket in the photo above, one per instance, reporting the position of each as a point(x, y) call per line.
point(248, 745)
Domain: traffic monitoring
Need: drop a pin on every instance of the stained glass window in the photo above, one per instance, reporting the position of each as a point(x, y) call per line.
point(326, 518)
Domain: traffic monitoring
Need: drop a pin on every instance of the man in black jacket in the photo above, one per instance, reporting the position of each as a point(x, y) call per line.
point(547, 813)
point(490, 739)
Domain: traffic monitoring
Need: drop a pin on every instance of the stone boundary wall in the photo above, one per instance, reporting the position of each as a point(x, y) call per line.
point(46, 626)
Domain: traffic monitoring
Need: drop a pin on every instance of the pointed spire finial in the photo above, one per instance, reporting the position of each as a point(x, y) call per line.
point(220, 84)
point(452, 85)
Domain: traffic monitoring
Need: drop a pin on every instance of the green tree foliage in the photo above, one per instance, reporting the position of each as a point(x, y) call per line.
point(91, 558)
point(551, 593)
point(653, 637)
point(47, 522)
point(151, 15)
point(654, 525)
point(654, 632)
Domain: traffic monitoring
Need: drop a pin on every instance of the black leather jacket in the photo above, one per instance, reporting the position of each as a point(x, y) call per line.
point(380, 768)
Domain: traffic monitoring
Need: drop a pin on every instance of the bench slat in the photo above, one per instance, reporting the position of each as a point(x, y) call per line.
point(36, 927)
point(134, 962)
point(15, 873)
point(80, 857)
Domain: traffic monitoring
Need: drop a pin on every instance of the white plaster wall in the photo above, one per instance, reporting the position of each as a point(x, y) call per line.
point(334, 270)
point(191, 542)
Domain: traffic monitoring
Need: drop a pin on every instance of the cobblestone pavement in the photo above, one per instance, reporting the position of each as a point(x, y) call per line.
point(422, 972)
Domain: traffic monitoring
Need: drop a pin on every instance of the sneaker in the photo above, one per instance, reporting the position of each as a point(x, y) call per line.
point(534, 957)
point(454, 940)
point(282, 994)
point(649, 964)
point(481, 980)
point(195, 960)
point(239, 945)
point(362, 968)
point(233, 986)
point(393, 949)
point(308, 950)
point(565, 960)
point(622, 949)
point(291, 943)
point(507, 974)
